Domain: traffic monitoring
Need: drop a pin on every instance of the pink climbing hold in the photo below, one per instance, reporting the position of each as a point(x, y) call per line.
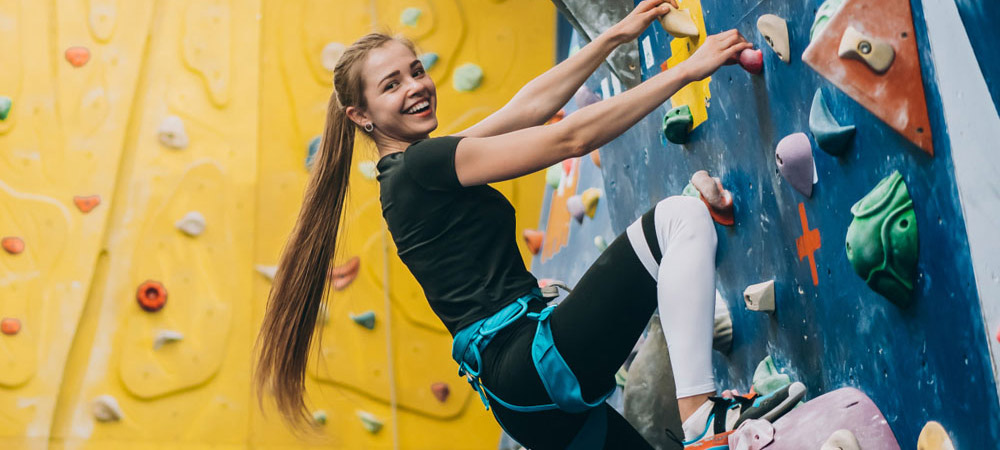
point(795, 162)
point(752, 60)
point(440, 391)
point(575, 206)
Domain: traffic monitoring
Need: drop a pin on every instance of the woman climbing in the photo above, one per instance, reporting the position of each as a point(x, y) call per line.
point(544, 371)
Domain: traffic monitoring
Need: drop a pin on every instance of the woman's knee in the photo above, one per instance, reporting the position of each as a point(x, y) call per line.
point(688, 217)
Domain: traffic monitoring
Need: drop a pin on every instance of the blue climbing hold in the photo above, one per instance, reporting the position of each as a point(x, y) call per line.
point(313, 149)
point(428, 60)
point(831, 137)
point(365, 319)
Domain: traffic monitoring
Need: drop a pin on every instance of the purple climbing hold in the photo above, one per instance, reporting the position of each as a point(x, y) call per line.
point(576, 208)
point(795, 162)
point(811, 424)
point(585, 97)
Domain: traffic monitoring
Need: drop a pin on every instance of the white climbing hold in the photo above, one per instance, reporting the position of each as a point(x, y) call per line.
point(106, 409)
point(267, 271)
point(575, 206)
point(367, 169)
point(679, 23)
point(553, 175)
point(370, 422)
point(876, 53)
point(600, 243)
point(467, 77)
point(171, 133)
point(320, 417)
point(165, 336)
point(841, 440)
point(331, 54)
point(760, 297)
point(775, 32)
point(192, 224)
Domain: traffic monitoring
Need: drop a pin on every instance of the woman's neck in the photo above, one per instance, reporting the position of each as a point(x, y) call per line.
point(387, 145)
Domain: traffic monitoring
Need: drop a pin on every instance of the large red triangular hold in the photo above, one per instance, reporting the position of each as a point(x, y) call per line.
point(896, 96)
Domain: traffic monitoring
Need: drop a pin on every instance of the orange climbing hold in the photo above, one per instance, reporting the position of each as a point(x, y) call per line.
point(151, 296)
point(557, 117)
point(86, 204)
point(440, 391)
point(12, 244)
point(10, 326)
point(595, 156)
point(344, 274)
point(533, 239)
point(77, 56)
point(808, 243)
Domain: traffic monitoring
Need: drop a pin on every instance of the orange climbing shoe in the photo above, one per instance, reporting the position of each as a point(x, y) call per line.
point(718, 200)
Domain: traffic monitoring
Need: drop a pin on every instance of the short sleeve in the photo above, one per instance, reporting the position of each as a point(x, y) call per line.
point(431, 163)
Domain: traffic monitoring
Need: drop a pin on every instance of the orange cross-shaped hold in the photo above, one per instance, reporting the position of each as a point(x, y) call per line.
point(808, 243)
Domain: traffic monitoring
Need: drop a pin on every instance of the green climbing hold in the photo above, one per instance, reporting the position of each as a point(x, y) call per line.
point(677, 124)
point(370, 422)
point(313, 149)
point(882, 240)
point(553, 176)
point(467, 77)
point(365, 319)
point(409, 16)
point(5, 104)
point(767, 379)
point(621, 376)
point(320, 417)
point(691, 191)
point(823, 15)
point(428, 60)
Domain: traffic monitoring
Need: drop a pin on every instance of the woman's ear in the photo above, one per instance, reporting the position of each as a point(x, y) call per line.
point(357, 115)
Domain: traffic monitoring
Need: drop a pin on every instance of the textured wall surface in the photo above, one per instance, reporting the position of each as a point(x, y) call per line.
point(92, 190)
point(928, 361)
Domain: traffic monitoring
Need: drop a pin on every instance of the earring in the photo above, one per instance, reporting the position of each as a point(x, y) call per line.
point(369, 127)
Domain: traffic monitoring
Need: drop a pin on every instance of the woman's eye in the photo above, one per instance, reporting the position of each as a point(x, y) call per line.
point(418, 72)
point(391, 85)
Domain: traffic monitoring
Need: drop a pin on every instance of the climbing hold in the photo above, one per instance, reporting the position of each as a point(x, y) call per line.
point(722, 332)
point(5, 105)
point(331, 54)
point(12, 244)
point(767, 379)
point(192, 224)
point(367, 169)
point(590, 197)
point(77, 56)
point(344, 274)
point(319, 417)
point(753, 434)
point(585, 97)
point(553, 176)
point(934, 437)
point(440, 391)
point(679, 24)
point(716, 198)
point(365, 319)
point(559, 115)
point(677, 124)
point(166, 336)
point(841, 440)
point(575, 206)
point(86, 204)
point(409, 16)
point(775, 32)
point(533, 239)
point(600, 243)
point(752, 60)
point(171, 133)
point(795, 162)
point(567, 166)
point(830, 135)
point(267, 271)
point(106, 409)
point(823, 15)
point(312, 150)
point(882, 240)
point(467, 77)
point(151, 296)
point(876, 53)
point(807, 244)
point(370, 422)
point(760, 296)
point(10, 326)
point(428, 60)
point(595, 156)
point(621, 377)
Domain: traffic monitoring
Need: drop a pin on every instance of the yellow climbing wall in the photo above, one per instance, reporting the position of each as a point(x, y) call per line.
point(94, 179)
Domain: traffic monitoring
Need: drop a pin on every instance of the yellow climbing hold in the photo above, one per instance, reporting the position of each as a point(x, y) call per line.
point(934, 437)
point(590, 198)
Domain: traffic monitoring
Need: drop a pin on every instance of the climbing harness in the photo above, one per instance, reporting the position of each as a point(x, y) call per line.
point(557, 378)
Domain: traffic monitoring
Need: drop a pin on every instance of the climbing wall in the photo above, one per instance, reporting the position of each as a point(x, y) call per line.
point(920, 356)
point(152, 161)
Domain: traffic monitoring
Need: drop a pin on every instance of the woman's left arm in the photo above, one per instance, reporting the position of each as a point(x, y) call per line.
point(542, 97)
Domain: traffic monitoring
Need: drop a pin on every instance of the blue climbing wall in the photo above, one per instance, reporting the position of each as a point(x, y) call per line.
point(928, 361)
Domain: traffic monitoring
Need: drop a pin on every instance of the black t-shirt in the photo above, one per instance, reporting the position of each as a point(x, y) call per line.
point(459, 242)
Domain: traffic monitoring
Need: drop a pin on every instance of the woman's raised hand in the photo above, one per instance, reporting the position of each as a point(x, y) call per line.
point(716, 51)
point(639, 19)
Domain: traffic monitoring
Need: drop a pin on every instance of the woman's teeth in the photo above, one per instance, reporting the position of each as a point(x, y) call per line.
point(419, 107)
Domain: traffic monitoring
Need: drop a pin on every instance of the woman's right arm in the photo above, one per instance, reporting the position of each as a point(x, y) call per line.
point(511, 155)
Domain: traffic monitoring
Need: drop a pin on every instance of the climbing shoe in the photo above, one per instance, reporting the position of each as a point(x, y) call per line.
point(712, 423)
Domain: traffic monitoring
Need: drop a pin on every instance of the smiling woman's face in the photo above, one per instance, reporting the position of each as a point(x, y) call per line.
point(401, 97)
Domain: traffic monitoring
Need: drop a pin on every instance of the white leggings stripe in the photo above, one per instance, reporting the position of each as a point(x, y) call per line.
point(638, 241)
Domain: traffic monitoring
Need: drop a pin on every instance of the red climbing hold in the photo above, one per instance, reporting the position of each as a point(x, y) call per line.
point(12, 244)
point(86, 204)
point(752, 60)
point(344, 274)
point(440, 391)
point(808, 243)
point(567, 165)
point(10, 326)
point(533, 239)
point(77, 56)
point(151, 296)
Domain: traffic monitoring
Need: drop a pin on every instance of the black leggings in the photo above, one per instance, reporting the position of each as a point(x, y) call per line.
point(594, 328)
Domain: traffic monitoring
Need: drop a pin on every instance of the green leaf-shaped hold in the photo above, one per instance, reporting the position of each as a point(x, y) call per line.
point(365, 319)
point(882, 240)
point(5, 104)
point(677, 124)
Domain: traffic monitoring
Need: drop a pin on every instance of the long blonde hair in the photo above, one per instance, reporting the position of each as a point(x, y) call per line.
point(300, 284)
